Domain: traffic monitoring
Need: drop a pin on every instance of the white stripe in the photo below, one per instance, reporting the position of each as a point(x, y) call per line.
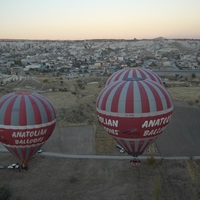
point(122, 74)
point(150, 96)
point(130, 115)
point(27, 127)
point(122, 98)
point(130, 74)
point(149, 75)
point(136, 145)
point(137, 101)
point(161, 94)
point(113, 77)
point(26, 146)
point(138, 73)
point(111, 96)
point(102, 95)
point(145, 143)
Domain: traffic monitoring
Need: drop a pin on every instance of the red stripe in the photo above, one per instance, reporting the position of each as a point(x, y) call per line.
point(159, 105)
point(126, 74)
point(34, 150)
point(118, 74)
point(132, 143)
point(5, 98)
point(115, 101)
point(48, 105)
point(151, 76)
point(166, 95)
point(147, 145)
point(134, 74)
point(37, 114)
point(15, 153)
point(22, 112)
point(140, 145)
point(105, 97)
point(129, 98)
point(23, 153)
point(142, 74)
point(8, 112)
point(124, 145)
point(110, 78)
point(154, 76)
point(44, 103)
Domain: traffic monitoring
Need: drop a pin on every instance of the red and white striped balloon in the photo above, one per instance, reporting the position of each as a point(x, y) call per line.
point(27, 120)
point(134, 111)
point(134, 73)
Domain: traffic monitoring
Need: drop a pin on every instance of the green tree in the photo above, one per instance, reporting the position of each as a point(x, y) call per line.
point(18, 62)
point(193, 75)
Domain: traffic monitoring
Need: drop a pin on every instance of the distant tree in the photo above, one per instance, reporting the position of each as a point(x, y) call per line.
point(18, 62)
point(193, 75)
point(151, 160)
point(45, 80)
point(76, 63)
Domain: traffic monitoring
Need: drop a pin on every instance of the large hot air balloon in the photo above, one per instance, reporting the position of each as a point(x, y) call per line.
point(134, 73)
point(27, 120)
point(134, 111)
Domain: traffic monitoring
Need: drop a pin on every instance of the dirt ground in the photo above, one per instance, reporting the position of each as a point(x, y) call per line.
point(78, 133)
point(61, 178)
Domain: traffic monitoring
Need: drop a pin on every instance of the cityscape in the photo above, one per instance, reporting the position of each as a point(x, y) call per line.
point(71, 58)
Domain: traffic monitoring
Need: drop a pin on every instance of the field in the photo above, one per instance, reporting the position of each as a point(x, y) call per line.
point(190, 95)
point(79, 133)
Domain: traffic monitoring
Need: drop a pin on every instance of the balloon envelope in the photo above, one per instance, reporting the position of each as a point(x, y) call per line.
point(134, 112)
point(134, 73)
point(27, 120)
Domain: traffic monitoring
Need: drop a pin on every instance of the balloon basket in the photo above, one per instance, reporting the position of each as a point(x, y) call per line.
point(23, 167)
point(135, 162)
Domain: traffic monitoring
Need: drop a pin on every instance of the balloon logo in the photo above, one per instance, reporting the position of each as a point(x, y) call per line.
point(134, 73)
point(27, 120)
point(134, 111)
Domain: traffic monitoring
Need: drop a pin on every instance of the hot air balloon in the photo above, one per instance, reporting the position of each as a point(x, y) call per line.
point(27, 120)
point(134, 73)
point(134, 111)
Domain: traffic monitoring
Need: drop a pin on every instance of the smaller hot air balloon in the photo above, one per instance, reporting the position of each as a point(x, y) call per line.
point(27, 120)
point(134, 111)
point(134, 73)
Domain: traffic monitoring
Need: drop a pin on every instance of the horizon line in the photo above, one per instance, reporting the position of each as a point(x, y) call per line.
point(134, 39)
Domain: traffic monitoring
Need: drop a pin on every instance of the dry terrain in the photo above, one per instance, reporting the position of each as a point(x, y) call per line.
point(79, 133)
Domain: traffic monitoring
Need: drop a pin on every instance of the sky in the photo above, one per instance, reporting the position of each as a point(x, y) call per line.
point(99, 19)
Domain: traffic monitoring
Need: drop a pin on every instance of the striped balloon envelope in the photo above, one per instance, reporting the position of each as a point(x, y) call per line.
point(27, 120)
point(134, 73)
point(134, 111)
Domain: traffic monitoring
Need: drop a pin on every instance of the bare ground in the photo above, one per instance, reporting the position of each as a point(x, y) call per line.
point(78, 132)
point(60, 178)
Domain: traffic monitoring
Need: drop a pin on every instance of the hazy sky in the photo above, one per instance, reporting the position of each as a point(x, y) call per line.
point(99, 19)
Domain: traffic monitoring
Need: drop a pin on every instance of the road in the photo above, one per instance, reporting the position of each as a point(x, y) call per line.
point(61, 155)
point(123, 157)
